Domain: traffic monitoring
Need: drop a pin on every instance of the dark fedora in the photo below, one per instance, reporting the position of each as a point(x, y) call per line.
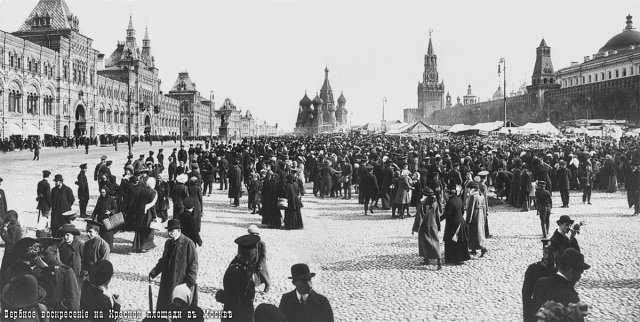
point(68, 228)
point(174, 224)
point(574, 258)
point(23, 291)
point(563, 219)
point(58, 177)
point(301, 271)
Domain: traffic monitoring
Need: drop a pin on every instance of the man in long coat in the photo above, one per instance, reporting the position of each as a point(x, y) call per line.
point(535, 271)
point(427, 225)
point(61, 201)
point(563, 177)
point(385, 187)
point(178, 265)
point(83, 190)
point(143, 216)
point(369, 189)
point(44, 195)
point(235, 183)
point(456, 248)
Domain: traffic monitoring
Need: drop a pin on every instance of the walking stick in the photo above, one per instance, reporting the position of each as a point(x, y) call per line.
point(150, 297)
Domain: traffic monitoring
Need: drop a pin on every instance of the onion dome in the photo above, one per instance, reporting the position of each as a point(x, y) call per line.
point(317, 100)
point(341, 99)
point(629, 36)
point(305, 101)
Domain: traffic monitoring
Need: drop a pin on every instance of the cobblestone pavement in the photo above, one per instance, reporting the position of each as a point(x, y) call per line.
point(368, 267)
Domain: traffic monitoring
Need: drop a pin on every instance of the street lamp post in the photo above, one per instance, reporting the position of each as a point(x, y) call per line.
point(504, 87)
point(211, 117)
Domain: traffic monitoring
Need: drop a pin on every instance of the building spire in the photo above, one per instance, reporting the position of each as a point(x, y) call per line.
point(146, 42)
point(629, 23)
point(131, 33)
point(430, 49)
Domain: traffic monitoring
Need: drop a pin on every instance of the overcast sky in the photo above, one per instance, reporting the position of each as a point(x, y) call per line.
point(265, 54)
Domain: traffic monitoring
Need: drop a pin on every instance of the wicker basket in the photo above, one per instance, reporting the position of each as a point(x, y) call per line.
point(113, 222)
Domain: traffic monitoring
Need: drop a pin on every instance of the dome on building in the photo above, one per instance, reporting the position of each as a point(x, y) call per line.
point(317, 100)
point(305, 101)
point(629, 36)
point(341, 99)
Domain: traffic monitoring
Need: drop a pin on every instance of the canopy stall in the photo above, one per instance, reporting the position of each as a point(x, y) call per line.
point(538, 128)
point(32, 129)
point(413, 129)
point(48, 130)
point(12, 129)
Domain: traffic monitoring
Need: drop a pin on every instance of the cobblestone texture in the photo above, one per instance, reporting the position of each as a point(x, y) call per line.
point(368, 267)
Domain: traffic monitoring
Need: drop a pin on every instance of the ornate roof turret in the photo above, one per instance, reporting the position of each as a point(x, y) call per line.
point(146, 57)
point(51, 14)
point(317, 101)
point(629, 36)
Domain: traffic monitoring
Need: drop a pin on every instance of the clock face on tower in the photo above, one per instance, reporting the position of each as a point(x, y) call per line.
point(432, 76)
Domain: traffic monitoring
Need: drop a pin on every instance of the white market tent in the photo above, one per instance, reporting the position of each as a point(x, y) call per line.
point(487, 127)
point(32, 129)
point(48, 129)
point(538, 128)
point(417, 128)
point(459, 128)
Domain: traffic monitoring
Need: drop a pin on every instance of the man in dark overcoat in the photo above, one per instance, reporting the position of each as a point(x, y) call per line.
point(369, 189)
point(303, 303)
point(83, 190)
point(178, 265)
point(535, 271)
point(134, 193)
point(98, 169)
point(563, 178)
point(560, 287)
point(223, 168)
point(564, 237)
point(61, 201)
point(59, 280)
point(385, 187)
point(235, 183)
point(44, 195)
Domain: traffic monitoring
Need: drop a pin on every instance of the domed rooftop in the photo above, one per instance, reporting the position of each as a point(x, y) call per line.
point(341, 99)
point(629, 36)
point(305, 101)
point(317, 100)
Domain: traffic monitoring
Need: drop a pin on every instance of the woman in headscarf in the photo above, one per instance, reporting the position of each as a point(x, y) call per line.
point(292, 215)
point(270, 212)
point(476, 214)
point(402, 196)
point(427, 225)
point(195, 193)
point(105, 207)
point(143, 238)
point(456, 249)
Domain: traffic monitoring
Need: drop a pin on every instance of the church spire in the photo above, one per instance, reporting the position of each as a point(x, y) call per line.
point(146, 42)
point(131, 33)
point(430, 49)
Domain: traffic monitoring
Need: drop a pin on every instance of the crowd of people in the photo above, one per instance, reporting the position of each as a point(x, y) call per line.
point(454, 180)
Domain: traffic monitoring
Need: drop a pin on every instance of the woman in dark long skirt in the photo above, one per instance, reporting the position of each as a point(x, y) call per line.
point(292, 215)
point(270, 212)
point(427, 225)
point(105, 207)
point(456, 247)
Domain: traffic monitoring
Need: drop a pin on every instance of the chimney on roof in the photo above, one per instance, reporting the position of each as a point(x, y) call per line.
point(100, 63)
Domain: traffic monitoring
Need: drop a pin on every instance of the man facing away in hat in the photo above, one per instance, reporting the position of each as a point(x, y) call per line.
point(239, 287)
point(303, 303)
point(96, 172)
point(95, 296)
point(61, 201)
point(178, 265)
point(59, 280)
point(560, 286)
point(535, 271)
point(83, 190)
point(44, 195)
point(544, 203)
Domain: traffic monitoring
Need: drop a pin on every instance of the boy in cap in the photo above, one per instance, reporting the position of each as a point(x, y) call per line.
point(178, 265)
point(303, 303)
point(535, 271)
point(239, 288)
point(95, 248)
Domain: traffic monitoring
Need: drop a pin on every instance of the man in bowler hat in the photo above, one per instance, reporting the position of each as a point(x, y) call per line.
point(178, 265)
point(564, 237)
point(560, 286)
point(303, 303)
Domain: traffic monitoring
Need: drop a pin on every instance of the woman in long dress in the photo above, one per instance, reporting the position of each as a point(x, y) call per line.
point(105, 207)
point(293, 214)
point(270, 212)
point(456, 249)
point(402, 196)
point(427, 225)
point(476, 212)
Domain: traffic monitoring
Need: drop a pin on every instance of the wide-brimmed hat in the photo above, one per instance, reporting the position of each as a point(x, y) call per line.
point(174, 224)
point(483, 173)
point(68, 228)
point(182, 178)
point(301, 271)
point(574, 258)
point(23, 291)
point(563, 219)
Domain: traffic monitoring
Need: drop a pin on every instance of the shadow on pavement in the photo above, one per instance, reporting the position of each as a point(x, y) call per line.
point(377, 262)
